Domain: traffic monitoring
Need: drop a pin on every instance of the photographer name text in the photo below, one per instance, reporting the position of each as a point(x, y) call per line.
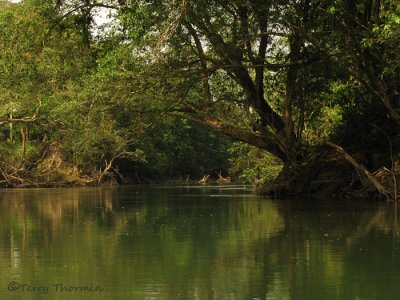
point(14, 286)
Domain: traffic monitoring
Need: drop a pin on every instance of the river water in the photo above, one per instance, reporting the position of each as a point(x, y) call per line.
point(191, 242)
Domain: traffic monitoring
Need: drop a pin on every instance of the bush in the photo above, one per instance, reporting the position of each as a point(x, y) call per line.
point(253, 165)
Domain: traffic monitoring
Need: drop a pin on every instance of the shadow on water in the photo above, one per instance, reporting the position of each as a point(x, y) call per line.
point(195, 242)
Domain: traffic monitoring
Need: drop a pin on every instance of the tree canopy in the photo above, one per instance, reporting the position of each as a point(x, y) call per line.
point(314, 83)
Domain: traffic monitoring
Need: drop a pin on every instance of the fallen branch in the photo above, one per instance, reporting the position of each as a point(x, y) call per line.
point(392, 171)
point(106, 170)
point(204, 179)
point(363, 171)
point(222, 179)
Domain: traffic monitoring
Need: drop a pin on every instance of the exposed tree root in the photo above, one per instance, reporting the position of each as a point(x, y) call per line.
point(50, 168)
point(366, 176)
point(332, 172)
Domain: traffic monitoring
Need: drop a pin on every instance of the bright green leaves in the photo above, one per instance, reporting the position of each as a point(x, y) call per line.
point(253, 165)
point(108, 94)
point(386, 35)
point(20, 45)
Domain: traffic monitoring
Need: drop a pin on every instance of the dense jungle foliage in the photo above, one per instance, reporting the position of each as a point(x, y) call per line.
point(297, 96)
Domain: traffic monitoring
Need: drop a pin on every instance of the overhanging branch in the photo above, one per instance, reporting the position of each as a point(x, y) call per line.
point(238, 134)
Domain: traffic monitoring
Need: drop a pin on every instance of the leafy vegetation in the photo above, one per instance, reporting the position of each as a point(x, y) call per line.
point(312, 85)
point(253, 165)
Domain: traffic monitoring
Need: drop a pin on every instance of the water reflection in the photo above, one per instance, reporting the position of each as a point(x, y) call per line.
point(195, 243)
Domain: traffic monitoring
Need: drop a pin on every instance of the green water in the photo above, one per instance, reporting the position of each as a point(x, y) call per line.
point(158, 242)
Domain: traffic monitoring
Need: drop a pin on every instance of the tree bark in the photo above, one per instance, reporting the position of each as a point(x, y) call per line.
point(363, 171)
point(262, 142)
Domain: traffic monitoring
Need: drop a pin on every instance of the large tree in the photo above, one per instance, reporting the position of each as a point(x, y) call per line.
point(264, 71)
point(286, 76)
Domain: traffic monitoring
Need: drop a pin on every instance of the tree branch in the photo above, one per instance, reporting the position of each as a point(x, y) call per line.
point(239, 134)
point(362, 171)
point(90, 6)
point(24, 120)
point(203, 63)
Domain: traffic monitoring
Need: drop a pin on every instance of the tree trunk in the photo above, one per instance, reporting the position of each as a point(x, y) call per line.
point(329, 171)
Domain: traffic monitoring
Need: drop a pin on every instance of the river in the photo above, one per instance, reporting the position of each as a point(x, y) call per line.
point(194, 242)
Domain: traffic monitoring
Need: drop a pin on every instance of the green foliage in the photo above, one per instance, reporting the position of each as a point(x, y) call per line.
point(253, 165)
point(175, 148)
point(328, 110)
point(144, 92)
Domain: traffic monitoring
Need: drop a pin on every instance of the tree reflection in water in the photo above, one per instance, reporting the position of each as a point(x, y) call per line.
point(197, 243)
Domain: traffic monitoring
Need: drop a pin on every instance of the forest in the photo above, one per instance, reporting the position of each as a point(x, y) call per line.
point(292, 96)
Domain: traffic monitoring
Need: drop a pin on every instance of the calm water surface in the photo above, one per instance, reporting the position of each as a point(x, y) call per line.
point(187, 242)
